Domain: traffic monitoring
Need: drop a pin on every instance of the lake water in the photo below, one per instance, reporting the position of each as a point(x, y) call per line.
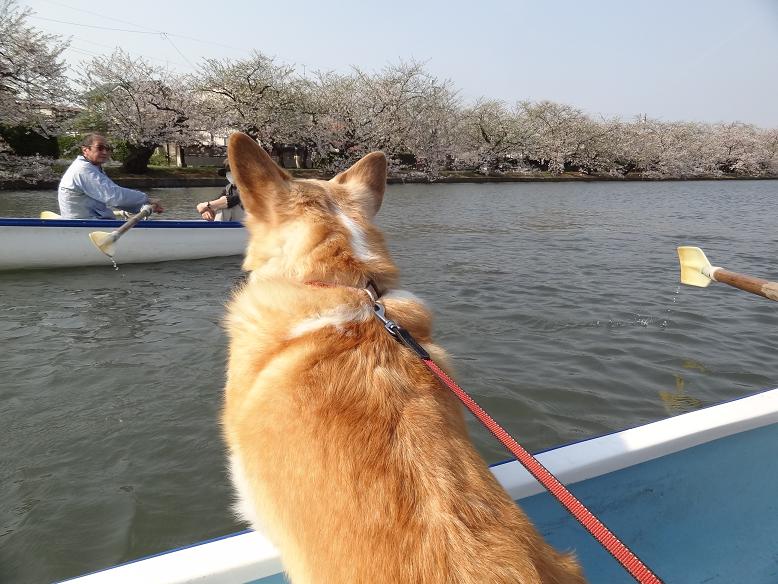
point(559, 302)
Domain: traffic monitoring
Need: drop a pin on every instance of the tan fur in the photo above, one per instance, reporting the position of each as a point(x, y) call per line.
point(344, 448)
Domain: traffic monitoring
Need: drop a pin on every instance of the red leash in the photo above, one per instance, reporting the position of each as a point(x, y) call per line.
point(586, 518)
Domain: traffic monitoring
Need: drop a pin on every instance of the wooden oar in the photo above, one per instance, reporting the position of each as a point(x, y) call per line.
point(105, 241)
point(696, 270)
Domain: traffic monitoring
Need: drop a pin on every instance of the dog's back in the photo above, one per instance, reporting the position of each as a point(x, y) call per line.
point(344, 448)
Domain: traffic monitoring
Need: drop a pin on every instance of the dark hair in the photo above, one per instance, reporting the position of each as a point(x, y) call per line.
point(225, 168)
point(89, 138)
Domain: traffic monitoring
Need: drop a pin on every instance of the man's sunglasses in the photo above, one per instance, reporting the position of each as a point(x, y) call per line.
point(101, 147)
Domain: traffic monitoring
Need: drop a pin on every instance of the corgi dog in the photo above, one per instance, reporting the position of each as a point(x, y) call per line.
point(345, 450)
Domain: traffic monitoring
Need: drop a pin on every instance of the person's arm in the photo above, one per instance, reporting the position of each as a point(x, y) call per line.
point(208, 208)
point(101, 188)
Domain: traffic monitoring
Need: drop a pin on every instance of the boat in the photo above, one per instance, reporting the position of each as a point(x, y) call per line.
point(693, 496)
point(58, 243)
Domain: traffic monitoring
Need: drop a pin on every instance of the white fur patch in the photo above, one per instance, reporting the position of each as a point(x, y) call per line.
point(358, 240)
point(402, 295)
point(338, 317)
point(243, 507)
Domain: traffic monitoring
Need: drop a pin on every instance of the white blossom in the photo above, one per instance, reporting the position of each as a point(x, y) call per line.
point(32, 75)
point(139, 103)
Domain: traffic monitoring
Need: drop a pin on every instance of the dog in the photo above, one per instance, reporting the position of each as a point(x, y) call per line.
point(344, 448)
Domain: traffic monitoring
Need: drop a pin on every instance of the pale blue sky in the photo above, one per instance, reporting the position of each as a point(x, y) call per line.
point(702, 60)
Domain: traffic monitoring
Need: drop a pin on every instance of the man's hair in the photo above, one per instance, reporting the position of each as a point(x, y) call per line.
point(89, 138)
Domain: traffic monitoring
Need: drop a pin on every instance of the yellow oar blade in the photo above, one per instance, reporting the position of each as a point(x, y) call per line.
point(694, 266)
point(49, 215)
point(104, 241)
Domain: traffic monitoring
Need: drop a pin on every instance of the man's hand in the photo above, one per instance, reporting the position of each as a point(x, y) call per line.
point(156, 205)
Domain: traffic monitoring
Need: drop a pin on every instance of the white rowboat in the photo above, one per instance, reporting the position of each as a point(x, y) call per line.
point(58, 243)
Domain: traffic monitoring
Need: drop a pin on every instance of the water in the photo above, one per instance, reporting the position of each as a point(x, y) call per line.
point(559, 303)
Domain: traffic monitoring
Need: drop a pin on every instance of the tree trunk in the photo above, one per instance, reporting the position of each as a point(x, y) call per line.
point(277, 153)
point(137, 161)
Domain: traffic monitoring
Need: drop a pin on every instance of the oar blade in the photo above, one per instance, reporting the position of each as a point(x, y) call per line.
point(693, 264)
point(49, 215)
point(104, 241)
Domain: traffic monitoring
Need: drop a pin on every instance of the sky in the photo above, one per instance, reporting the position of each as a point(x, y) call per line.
point(673, 60)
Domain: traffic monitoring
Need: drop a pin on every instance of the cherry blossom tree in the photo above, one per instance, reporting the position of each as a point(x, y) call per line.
point(490, 132)
point(639, 146)
point(33, 89)
point(254, 95)
point(401, 109)
point(339, 127)
point(736, 148)
point(426, 110)
point(561, 137)
point(32, 74)
point(138, 103)
point(537, 135)
point(660, 149)
point(768, 149)
point(680, 149)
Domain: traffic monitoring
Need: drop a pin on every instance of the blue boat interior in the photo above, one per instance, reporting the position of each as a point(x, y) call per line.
point(707, 514)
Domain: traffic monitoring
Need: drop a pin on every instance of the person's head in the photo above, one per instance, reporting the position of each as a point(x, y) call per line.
point(95, 148)
point(225, 170)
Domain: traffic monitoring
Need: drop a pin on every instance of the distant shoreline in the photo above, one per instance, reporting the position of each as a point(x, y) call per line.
point(160, 179)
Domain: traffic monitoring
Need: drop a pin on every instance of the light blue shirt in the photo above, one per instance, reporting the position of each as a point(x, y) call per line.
point(86, 192)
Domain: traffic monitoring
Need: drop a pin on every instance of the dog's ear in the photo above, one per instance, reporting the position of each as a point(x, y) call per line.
point(260, 181)
point(366, 182)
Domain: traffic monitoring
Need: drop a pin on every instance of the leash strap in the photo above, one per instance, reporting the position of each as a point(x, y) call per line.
point(636, 568)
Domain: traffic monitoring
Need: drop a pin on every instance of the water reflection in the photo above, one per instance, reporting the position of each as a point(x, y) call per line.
point(678, 401)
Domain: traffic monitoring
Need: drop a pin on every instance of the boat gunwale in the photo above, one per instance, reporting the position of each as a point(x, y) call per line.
point(112, 223)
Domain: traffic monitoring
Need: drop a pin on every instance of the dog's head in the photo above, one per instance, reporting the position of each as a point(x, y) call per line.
point(312, 229)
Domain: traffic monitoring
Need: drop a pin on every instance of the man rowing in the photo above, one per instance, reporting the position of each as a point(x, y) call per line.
point(86, 192)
